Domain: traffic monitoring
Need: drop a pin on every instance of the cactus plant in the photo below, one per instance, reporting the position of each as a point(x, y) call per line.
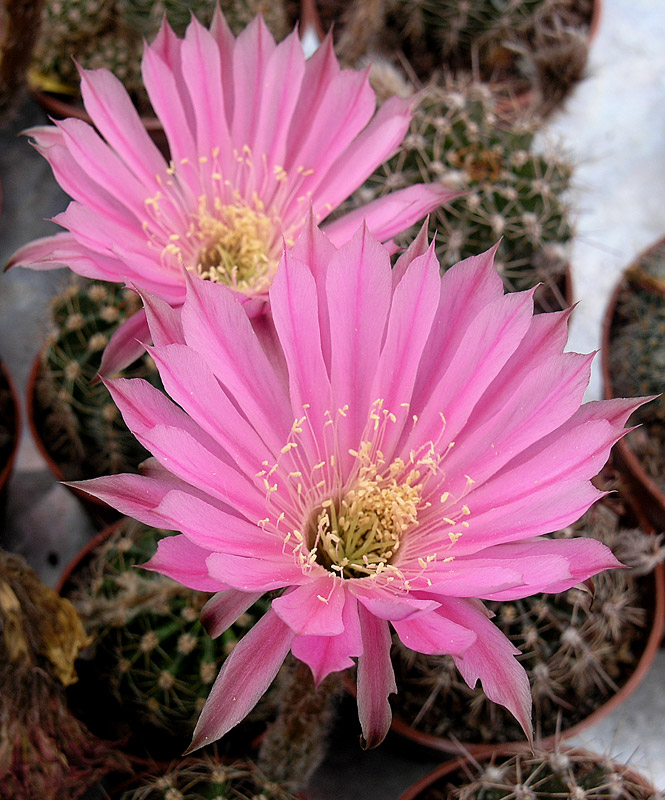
point(636, 355)
point(562, 773)
point(110, 33)
point(206, 778)
point(76, 418)
point(45, 751)
point(512, 191)
point(577, 648)
point(519, 45)
point(149, 646)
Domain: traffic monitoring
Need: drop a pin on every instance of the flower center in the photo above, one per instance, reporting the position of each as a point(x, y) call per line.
point(236, 248)
point(358, 535)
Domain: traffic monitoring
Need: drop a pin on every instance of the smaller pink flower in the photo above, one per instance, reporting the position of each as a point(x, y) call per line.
point(258, 136)
point(392, 462)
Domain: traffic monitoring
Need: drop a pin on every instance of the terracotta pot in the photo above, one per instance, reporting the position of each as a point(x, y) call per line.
point(12, 422)
point(100, 513)
point(641, 485)
point(466, 766)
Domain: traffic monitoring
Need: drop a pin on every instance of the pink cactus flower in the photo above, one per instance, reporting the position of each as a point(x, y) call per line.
point(257, 136)
point(392, 461)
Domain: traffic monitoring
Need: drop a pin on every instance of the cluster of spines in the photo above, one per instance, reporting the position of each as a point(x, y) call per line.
point(207, 778)
point(79, 421)
point(575, 647)
point(150, 645)
point(512, 191)
point(559, 773)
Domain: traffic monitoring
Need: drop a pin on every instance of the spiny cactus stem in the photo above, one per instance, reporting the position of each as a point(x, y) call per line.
point(294, 745)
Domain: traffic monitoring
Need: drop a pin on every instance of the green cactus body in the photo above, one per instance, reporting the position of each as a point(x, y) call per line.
point(637, 355)
point(207, 778)
point(150, 646)
point(562, 773)
point(512, 192)
point(110, 34)
point(577, 648)
point(77, 419)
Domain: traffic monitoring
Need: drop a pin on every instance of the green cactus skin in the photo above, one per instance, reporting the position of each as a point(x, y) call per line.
point(77, 420)
point(149, 646)
point(577, 647)
point(207, 778)
point(562, 773)
point(110, 34)
point(512, 191)
point(636, 356)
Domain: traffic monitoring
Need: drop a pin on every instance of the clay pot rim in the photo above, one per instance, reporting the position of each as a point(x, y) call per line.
point(651, 647)
point(414, 791)
point(6, 470)
point(626, 453)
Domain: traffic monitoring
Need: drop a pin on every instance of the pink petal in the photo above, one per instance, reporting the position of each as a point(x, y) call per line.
point(384, 604)
point(126, 345)
point(163, 321)
point(359, 293)
point(224, 608)
point(294, 309)
point(491, 659)
point(215, 529)
point(376, 143)
point(418, 247)
point(167, 93)
point(376, 679)
point(115, 117)
point(326, 654)
point(313, 609)
point(433, 634)
point(584, 557)
point(189, 381)
point(244, 677)
point(412, 313)
point(249, 574)
point(389, 215)
point(178, 558)
point(188, 452)
point(460, 380)
point(215, 325)
point(43, 253)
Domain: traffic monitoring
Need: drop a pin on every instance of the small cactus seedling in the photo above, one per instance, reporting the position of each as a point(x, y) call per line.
point(636, 355)
point(78, 421)
point(207, 778)
point(512, 192)
point(110, 34)
point(577, 648)
point(562, 773)
point(149, 645)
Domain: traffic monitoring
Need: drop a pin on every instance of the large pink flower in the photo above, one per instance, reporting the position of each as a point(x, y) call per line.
point(394, 457)
point(257, 137)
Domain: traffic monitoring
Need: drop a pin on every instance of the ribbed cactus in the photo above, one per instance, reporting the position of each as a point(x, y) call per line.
point(150, 647)
point(513, 191)
point(637, 354)
point(577, 647)
point(562, 773)
point(516, 44)
point(110, 33)
point(77, 419)
point(207, 778)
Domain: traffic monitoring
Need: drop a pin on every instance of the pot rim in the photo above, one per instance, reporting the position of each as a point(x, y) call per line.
point(414, 791)
point(6, 469)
